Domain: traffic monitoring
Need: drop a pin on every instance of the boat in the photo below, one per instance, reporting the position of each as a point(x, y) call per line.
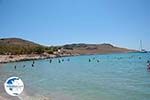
point(141, 48)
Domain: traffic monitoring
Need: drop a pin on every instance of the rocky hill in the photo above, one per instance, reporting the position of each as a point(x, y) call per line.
point(20, 46)
point(16, 42)
point(94, 49)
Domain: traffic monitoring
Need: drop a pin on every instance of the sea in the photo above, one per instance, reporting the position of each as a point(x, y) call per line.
point(120, 76)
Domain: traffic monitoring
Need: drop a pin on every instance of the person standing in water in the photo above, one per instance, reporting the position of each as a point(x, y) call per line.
point(89, 60)
point(32, 65)
point(50, 61)
point(97, 60)
point(15, 66)
point(59, 61)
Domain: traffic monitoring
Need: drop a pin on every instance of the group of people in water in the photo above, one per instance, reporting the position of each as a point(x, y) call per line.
point(59, 60)
point(89, 60)
point(50, 61)
point(33, 62)
point(97, 60)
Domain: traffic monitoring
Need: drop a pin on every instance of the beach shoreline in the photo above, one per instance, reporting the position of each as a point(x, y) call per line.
point(28, 57)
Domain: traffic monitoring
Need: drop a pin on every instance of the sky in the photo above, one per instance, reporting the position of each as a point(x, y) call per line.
point(122, 23)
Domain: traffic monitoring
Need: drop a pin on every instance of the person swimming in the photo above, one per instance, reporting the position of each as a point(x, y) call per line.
point(32, 65)
point(15, 66)
point(24, 66)
point(97, 60)
point(89, 60)
point(59, 61)
point(50, 61)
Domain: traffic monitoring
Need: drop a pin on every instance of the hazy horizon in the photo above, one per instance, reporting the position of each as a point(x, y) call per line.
point(121, 23)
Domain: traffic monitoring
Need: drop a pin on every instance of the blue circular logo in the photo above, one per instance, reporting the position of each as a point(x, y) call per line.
point(14, 86)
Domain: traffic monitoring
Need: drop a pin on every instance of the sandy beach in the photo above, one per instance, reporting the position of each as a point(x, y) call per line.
point(15, 58)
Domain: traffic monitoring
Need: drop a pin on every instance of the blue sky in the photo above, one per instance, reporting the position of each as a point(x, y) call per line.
point(55, 22)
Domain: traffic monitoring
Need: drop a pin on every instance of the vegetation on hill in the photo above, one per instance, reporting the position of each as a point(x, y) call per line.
point(19, 46)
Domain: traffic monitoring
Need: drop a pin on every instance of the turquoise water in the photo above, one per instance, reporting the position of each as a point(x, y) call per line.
point(114, 77)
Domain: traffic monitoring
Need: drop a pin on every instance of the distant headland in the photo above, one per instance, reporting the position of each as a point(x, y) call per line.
point(16, 49)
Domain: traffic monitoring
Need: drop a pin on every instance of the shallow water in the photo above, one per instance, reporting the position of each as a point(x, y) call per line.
point(114, 77)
